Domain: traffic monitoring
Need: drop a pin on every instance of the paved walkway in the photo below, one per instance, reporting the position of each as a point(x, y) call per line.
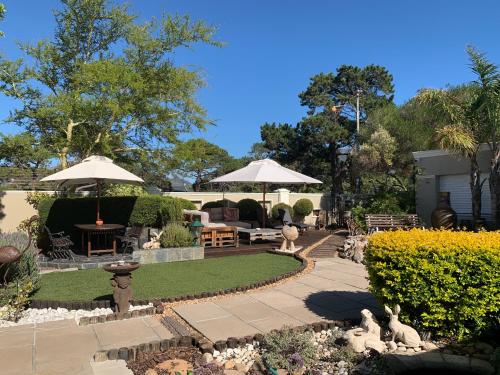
point(63, 348)
point(336, 289)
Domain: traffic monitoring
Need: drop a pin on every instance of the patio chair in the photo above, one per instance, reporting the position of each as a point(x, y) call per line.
point(130, 240)
point(286, 219)
point(60, 245)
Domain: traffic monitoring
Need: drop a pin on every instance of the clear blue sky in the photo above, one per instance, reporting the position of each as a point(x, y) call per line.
point(274, 46)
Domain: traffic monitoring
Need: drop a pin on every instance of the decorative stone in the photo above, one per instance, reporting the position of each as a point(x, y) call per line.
point(122, 293)
point(401, 349)
point(206, 358)
point(290, 234)
point(229, 365)
point(367, 336)
point(430, 346)
point(174, 366)
point(101, 356)
point(406, 334)
point(484, 347)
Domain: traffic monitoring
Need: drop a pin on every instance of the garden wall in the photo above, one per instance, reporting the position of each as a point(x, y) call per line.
point(166, 255)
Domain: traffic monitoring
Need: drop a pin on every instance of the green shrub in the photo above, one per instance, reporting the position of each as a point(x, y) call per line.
point(123, 190)
point(303, 207)
point(447, 282)
point(276, 207)
point(176, 235)
point(148, 210)
point(380, 204)
point(249, 209)
point(288, 349)
point(219, 203)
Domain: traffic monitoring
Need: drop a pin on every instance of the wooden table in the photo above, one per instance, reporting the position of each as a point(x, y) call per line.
point(252, 235)
point(97, 232)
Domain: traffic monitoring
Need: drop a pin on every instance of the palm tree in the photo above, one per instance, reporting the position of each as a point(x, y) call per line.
point(472, 111)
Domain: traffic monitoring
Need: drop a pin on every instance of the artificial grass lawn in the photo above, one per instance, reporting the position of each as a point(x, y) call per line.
point(168, 279)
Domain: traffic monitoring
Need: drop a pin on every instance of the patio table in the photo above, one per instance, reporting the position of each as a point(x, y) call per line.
point(93, 231)
point(252, 235)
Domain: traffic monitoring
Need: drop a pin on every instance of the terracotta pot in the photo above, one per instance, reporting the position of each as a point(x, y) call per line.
point(444, 216)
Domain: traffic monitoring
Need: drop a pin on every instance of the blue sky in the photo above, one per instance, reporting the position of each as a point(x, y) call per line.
point(273, 47)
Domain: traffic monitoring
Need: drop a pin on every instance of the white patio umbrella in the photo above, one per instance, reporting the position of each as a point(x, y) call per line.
point(94, 170)
point(266, 171)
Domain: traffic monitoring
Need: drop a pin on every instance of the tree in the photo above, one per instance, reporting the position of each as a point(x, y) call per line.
point(472, 111)
point(105, 84)
point(23, 151)
point(2, 15)
point(200, 160)
point(315, 144)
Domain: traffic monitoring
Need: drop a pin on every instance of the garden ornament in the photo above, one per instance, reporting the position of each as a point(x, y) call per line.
point(154, 243)
point(122, 292)
point(402, 332)
point(290, 234)
point(367, 336)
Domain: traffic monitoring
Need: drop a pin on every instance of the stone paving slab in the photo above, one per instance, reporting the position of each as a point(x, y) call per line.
point(335, 289)
point(118, 367)
point(64, 348)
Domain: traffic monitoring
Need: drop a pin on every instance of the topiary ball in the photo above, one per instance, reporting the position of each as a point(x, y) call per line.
point(303, 207)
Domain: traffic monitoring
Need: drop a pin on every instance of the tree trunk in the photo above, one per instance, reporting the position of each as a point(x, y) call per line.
point(197, 184)
point(475, 188)
point(495, 188)
point(63, 154)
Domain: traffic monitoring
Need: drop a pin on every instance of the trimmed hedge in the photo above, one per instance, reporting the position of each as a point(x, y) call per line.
point(303, 207)
point(446, 282)
point(176, 235)
point(62, 214)
point(276, 207)
point(249, 209)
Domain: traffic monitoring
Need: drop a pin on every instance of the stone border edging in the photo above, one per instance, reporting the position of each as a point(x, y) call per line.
point(151, 310)
point(91, 305)
point(203, 344)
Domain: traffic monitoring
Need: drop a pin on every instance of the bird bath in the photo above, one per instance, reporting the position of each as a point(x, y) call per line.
point(121, 280)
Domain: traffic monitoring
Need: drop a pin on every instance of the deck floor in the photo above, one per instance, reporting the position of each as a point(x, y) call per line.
point(308, 238)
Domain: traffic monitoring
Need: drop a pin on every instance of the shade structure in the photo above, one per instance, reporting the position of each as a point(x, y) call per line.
point(266, 171)
point(94, 169)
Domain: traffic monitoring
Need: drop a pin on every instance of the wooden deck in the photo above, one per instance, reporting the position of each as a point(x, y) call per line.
point(304, 240)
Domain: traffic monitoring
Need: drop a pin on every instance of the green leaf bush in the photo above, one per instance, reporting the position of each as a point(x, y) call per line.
point(303, 207)
point(249, 209)
point(447, 282)
point(276, 207)
point(61, 214)
point(176, 235)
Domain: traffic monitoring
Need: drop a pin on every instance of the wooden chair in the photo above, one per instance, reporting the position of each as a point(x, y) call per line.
point(60, 245)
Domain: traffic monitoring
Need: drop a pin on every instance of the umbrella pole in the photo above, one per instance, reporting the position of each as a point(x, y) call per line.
point(98, 220)
point(264, 205)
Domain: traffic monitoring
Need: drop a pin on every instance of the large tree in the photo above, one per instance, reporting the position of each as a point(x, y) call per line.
point(473, 112)
point(200, 160)
point(315, 144)
point(2, 15)
point(106, 84)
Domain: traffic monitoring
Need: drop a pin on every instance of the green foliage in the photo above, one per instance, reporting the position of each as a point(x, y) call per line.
point(146, 210)
point(249, 209)
point(176, 235)
point(346, 354)
point(123, 190)
point(280, 346)
point(200, 160)
point(219, 203)
point(18, 301)
point(115, 91)
point(303, 207)
point(445, 281)
point(385, 203)
point(23, 151)
point(276, 207)
point(2, 15)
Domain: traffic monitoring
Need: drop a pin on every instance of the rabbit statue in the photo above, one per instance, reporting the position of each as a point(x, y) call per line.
point(402, 332)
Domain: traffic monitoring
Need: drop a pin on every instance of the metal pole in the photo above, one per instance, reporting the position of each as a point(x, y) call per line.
point(264, 205)
point(357, 111)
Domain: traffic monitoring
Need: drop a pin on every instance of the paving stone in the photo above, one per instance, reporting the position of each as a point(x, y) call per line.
point(118, 367)
point(221, 329)
point(124, 333)
point(16, 360)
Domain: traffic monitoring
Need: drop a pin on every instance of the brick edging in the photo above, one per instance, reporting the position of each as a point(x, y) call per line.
point(203, 344)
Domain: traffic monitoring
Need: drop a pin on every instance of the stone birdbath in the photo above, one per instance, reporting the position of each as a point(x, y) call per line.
point(121, 280)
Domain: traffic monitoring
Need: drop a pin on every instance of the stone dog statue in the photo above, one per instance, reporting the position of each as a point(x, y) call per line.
point(367, 336)
point(402, 332)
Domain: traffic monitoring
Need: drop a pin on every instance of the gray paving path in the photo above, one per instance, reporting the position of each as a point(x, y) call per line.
point(336, 289)
point(63, 348)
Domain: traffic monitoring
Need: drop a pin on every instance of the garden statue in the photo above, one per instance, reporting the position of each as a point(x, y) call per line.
point(444, 216)
point(122, 293)
point(402, 332)
point(290, 234)
point(354, 248)
point(367, 336)
point(154, 243)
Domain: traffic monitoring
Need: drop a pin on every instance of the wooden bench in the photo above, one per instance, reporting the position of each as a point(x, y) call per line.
point(219, 237)
point(376, 222)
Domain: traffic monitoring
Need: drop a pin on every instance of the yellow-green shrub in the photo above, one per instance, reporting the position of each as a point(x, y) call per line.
point(445, 281)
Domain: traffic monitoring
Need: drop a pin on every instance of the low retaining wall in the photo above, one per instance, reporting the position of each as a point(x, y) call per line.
point(165, 255)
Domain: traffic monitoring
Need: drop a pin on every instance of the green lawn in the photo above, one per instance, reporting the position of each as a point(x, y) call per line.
point(168, 279)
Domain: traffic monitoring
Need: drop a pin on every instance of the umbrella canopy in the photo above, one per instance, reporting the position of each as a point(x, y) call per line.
point(266, 171)
point(94, 169)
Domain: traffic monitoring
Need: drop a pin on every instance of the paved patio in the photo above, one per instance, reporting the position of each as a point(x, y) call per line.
point(336, 289)
point(63, 348)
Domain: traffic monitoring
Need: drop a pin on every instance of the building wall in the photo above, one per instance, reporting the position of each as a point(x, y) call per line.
point(14, 208)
